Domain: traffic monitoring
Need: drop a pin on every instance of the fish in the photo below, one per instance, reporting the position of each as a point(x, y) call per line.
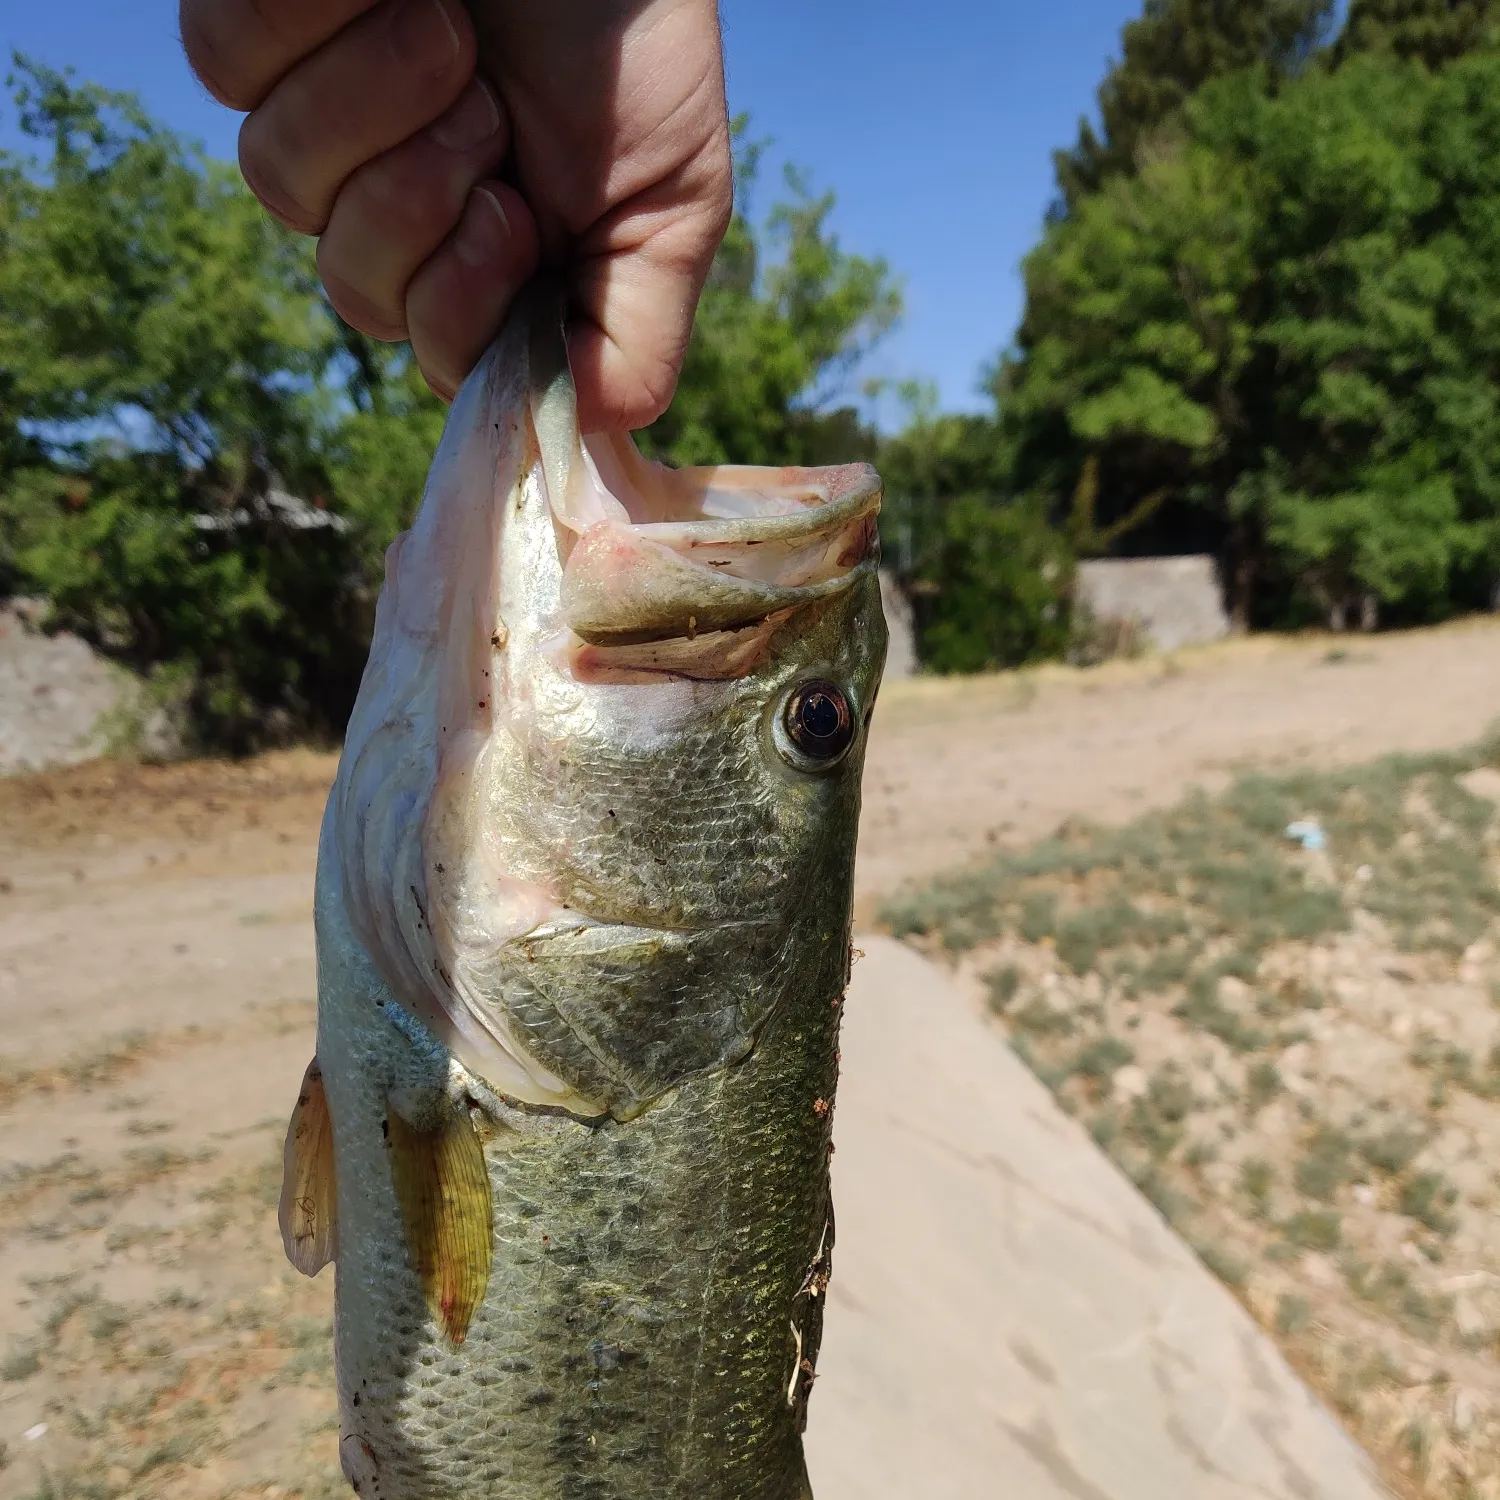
point(583, 917)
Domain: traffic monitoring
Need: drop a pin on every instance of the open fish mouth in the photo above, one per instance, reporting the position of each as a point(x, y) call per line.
point(689, 571)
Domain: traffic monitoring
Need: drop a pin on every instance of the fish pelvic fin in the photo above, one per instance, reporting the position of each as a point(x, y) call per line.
point(309, 1203)
point(443, 1188)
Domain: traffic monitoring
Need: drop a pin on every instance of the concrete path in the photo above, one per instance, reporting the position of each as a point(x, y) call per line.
point(1009, 1319)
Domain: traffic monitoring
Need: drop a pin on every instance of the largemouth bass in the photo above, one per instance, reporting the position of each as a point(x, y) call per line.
point(583, 930)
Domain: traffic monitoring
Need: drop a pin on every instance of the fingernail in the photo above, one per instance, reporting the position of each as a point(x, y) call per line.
point(423, 36)
point(484, 230)
point(471, 122)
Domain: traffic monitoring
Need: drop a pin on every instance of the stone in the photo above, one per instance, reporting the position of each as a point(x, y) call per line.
point(1485, 783)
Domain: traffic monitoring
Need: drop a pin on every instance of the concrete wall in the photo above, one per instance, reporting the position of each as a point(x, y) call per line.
point(1177, 601)
point(901, 655)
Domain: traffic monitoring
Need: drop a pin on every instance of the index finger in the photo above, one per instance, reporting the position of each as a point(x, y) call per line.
point(240, 49)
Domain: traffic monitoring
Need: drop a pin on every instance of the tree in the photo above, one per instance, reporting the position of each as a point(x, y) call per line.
point(164, 349)
point(1431, 31)
point(1282, 333)
point(1168, 53)
point(169, 369)
point(988, 577)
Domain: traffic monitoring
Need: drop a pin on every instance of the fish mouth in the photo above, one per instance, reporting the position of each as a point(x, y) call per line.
point(689, 572)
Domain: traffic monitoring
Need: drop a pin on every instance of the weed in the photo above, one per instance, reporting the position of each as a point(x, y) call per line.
point(1038, 916)
point(1200, 1154)
point(1203, 1009)
point(1155, 1119)
point(1002, 985)
point(1257, 1178)
point(1293, 1314)
point(1087, 933)
point(1102, 1058)
point(20, 1361)
point(1389, 1288)
point(1393, 1150)
point(1039, 1019)
point(1262, 1084)
point(1327, 1166)
point(1314, 1229)
point(1173, 1206)
point(1428, 1198)
point(106, 1319)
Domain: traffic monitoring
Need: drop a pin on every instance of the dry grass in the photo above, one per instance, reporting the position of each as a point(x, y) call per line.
point(176, 1392)
point(1296, 1056)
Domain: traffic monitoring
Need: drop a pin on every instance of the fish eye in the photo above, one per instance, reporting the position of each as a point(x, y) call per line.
point(818, 725)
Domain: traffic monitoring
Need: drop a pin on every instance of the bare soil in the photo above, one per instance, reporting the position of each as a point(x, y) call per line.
point(156, 988)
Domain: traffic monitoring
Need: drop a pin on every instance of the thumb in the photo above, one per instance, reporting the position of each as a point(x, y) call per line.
point(635, 288)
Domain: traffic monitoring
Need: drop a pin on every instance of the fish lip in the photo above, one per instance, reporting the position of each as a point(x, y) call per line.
point(578, 922)
point(835, 499)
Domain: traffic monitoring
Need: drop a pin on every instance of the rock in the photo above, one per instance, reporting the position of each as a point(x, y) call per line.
point(56, 693)
point(1464, 1411)
point(1469, 1319)
point(1234, 992)
point(901, 655)
point(1131, 1082)
point(1485, 782)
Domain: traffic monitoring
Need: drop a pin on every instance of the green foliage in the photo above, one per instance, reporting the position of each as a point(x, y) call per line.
point(1168, 53)
point(1277, 341)
point(989, 577)
point(1314, 1229)
point(1432, 31)
point(163, 345)
point(168, 366)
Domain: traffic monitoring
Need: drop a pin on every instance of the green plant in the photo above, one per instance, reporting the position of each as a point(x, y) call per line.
point(1429, 1197)
point(1314, 1229)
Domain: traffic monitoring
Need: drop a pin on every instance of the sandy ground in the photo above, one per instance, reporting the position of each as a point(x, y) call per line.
point(156, 985)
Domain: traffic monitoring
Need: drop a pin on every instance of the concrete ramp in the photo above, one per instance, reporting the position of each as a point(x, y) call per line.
point(1009, 1319)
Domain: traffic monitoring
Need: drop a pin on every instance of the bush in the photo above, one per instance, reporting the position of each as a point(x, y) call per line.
point(995, 592)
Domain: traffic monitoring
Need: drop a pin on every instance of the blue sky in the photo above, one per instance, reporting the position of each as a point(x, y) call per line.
point(934, 124)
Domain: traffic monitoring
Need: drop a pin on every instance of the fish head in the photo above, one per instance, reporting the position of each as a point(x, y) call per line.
point(691, 660)
point(650, 691)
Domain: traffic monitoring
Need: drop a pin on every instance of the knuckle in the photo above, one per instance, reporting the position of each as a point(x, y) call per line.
point(657, 386)
point(209, 55)
point(356, 308)
point(409, 198)
point(261, 162)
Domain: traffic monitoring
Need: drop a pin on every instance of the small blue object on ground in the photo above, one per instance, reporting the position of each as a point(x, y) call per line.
point(1308, 833)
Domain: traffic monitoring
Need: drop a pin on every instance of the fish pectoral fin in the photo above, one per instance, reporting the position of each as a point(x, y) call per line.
point(309, 1204)
point(443, 1187)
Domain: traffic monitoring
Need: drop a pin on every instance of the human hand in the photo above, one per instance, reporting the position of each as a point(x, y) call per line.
point(368, 126)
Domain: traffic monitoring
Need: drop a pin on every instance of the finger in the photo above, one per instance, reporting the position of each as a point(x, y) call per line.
point(634, 299)
point(240, 48)
point(393, 213)
point(456, 302)
point(382, 79)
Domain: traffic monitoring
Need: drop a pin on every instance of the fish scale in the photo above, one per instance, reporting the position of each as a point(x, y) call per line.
point(583, 925)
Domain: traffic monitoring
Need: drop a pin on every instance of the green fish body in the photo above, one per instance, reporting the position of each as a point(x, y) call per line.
point(583, 920)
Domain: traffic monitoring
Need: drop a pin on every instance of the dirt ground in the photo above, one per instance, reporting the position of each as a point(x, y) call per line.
point(156, 986)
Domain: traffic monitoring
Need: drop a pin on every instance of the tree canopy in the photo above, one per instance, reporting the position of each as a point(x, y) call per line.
point(1431, 31)
point(1169, 52)
point(169, 370)
point(1279, 342)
